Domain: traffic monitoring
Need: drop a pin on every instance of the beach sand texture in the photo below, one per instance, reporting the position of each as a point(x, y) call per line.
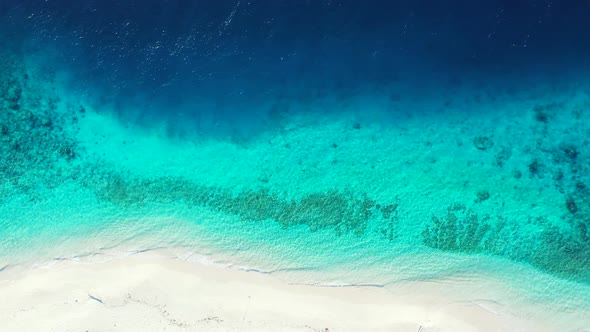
point(154, 292)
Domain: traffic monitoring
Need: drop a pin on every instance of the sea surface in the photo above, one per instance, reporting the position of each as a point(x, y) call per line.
point(330, 142)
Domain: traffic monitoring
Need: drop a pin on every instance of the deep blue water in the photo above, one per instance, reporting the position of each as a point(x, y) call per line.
point(237, 55)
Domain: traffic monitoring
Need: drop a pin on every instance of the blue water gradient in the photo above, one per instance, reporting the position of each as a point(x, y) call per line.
point(344, 142)
point(238, 54)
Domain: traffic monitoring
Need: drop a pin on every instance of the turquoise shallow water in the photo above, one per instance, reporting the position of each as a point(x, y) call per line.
point(458, 197)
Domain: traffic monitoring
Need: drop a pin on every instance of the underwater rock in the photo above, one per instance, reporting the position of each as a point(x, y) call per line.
point(534, 167)
point(571, 205)
point(570, 151)
point(482, 195)
point(542, 112)
point(502, 156)
point(483, 143)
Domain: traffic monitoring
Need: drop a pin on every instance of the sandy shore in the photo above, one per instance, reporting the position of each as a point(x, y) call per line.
point(149, 292)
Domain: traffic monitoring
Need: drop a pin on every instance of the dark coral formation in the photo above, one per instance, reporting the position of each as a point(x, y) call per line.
point(534, 167)
point(483, 143)
point(390, 219)
point(482, 195)
point(570, 150)
point(32, 135)
point(502, 156)
point(564, 251)
point(333, 210)
point(459, 231)
point(544, 112)
point(571, 205)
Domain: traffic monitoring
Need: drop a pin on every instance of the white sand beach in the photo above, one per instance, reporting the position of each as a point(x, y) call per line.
point(152, 292)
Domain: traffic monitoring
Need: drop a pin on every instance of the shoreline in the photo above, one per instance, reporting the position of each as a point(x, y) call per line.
point(155, 292)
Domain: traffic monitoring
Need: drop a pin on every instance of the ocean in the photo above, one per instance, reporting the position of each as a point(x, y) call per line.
point(327, 142)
